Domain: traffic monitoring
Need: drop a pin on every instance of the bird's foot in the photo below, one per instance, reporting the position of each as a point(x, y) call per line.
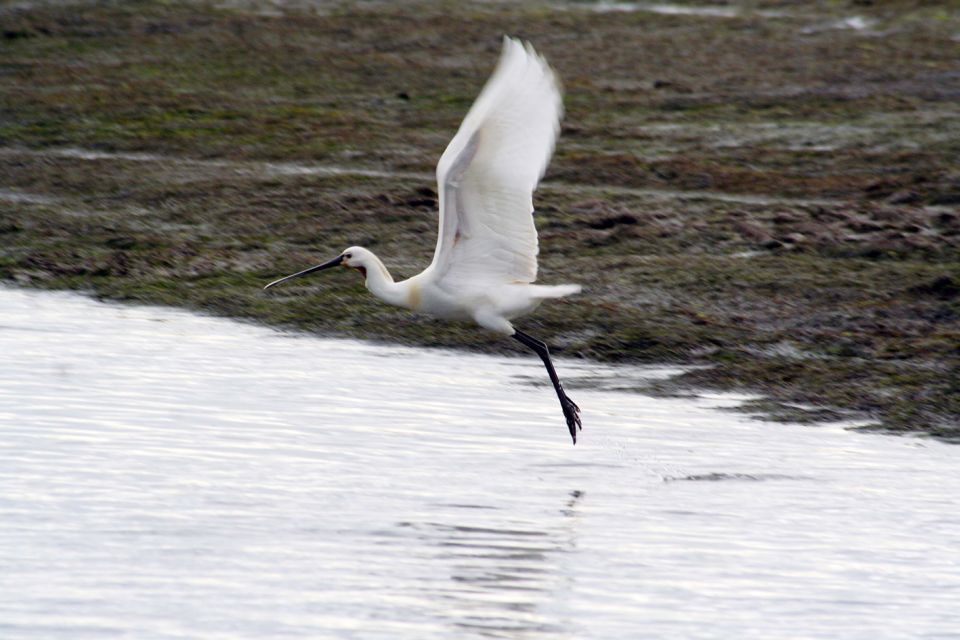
point(572, 413)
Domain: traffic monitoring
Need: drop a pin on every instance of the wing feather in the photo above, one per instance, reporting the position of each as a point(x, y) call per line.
point(487, 175)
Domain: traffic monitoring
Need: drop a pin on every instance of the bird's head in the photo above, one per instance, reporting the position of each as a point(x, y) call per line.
point(358, 258)
point(353, 258)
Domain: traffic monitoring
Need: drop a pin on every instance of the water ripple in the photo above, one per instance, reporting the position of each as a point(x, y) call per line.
point(166, 475)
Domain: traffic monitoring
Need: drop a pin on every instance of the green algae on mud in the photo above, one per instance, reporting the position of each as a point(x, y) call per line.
point(777, 205)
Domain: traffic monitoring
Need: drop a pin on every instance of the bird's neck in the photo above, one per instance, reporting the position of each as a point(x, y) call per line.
point(380, 283)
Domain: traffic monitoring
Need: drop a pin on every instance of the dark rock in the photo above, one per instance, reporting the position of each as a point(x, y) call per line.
point(121, 242)
point(425, 197)
point(880, 188)
point(943, 287)
point(668, 84)
point(949, 218)
point(947, 197)
point(17, 34)
point(612, 221)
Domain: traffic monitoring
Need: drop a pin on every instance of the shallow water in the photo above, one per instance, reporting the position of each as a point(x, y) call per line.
point(168, 475)
point(663, 9)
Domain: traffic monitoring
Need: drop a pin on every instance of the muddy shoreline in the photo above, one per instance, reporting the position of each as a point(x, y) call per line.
point(768, 192)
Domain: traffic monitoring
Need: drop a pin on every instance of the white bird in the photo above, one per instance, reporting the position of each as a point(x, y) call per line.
point(485, 261)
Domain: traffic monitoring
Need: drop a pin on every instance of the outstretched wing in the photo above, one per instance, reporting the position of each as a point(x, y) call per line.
point(487, 175)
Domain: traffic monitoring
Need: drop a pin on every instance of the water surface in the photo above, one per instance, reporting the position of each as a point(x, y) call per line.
point(165, 475)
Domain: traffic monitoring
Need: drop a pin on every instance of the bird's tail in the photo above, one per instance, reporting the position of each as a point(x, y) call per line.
point(544, 292)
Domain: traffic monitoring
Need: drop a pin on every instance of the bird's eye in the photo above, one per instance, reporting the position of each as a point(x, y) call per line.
point(347, 256)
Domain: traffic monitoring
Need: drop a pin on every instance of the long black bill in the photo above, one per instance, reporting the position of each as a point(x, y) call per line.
point(319, 267)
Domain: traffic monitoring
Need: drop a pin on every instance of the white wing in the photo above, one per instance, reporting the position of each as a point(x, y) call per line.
point(487, 175)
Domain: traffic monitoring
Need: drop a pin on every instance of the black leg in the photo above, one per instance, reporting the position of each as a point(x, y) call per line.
point(570, 410)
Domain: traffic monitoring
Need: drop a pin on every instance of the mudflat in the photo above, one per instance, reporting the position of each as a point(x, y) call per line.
point(768, 190)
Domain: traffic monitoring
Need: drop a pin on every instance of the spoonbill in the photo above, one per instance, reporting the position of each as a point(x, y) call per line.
point(485, 260)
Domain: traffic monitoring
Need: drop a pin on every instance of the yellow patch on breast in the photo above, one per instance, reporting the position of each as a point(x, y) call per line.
point(413, 297)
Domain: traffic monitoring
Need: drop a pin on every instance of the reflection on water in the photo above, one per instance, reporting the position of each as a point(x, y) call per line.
point(500, 577)
point(744, 477)
point(166, 475)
